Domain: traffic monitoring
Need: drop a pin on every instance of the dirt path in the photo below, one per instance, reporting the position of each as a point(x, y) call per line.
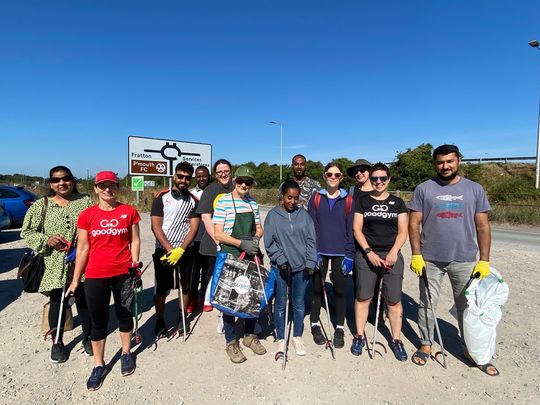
point(199, 372)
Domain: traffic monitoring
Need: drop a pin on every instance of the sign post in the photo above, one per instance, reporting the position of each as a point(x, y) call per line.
point(137, 184)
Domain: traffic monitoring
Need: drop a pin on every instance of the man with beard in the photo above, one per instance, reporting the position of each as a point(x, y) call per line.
point(307, 185)
point(453, 212)
point(174, 224)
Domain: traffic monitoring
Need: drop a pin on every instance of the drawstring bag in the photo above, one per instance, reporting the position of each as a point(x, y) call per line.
point(240, 287)
point(485, 299)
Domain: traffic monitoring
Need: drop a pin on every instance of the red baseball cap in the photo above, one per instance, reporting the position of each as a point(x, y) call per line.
point(106, 175)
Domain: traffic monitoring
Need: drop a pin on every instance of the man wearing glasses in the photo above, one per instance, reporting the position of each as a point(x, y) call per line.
point(360, 172)
point(453, 214)
point(174, 223)
point(205, 208)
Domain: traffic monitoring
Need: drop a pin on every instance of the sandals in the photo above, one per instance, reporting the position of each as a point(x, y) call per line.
point(420, 358)
point(486, 367)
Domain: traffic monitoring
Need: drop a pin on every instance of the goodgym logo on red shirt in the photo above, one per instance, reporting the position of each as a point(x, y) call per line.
point(109, 227)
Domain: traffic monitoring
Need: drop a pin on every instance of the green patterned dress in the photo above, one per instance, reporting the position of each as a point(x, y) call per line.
point(58, 221)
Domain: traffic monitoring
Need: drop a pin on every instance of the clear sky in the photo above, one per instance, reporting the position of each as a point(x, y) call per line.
point(347, 79)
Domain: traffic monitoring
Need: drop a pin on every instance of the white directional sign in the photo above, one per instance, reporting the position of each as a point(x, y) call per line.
point(158, 157)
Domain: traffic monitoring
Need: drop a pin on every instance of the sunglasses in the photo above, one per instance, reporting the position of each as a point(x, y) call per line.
point(56, 180)
point(336, 175)
point(374, 179)
point(361, 170)
point(247, 182)
point(182, 177)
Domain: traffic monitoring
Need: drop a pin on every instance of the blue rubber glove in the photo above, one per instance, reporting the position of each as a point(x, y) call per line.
point(347, 266)
point(70, 257)
point(318, 264)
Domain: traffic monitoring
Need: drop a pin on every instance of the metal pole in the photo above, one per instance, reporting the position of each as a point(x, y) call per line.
point(538, 148)
point(281, 157)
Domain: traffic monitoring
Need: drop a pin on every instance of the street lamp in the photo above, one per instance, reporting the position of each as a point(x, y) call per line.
point(280, 149)
point(535, 44)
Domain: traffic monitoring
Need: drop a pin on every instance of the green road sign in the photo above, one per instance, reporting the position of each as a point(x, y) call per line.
point(137, 183)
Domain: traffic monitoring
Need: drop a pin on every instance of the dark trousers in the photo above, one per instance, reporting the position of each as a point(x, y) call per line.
point(55, 297)
point(339, 283)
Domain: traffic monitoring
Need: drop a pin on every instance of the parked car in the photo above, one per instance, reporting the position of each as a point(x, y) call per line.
point(16, 201)
point(5, 220)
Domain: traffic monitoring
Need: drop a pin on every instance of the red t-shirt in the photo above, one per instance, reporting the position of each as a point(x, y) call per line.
point(109, 235)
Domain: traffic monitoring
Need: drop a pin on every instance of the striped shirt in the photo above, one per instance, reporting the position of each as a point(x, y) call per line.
point(226, 210)
point(176, 213)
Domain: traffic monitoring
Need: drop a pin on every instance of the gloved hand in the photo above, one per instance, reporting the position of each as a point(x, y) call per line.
point(284, 270)
point(70, 257)
point(248, 247)
point(347, 266)
point(173, 255)
point(255, 241)
point(308, 271)
point(318, 264)
point(418, 264)
point(481, 269)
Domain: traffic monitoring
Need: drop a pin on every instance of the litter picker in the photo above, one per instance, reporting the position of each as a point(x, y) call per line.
point(430, 301)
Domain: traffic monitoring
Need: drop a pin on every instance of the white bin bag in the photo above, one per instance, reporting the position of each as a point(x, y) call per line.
point(486, 299)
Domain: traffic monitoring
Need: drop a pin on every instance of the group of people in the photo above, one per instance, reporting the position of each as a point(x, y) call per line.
point(312, 231)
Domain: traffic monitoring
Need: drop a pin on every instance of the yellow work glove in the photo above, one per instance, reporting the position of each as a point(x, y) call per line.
point(418, 264)
point(481, 269)
point(173, 256)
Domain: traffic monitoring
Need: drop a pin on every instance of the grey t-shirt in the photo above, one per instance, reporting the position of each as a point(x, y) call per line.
point(448, 227)
point(206, 206)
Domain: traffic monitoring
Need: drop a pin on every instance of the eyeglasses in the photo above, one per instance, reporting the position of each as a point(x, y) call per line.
point(56, 180)
point(360, 170)
point(336, 175)
point(106, 185)
point(224, 173)
point(374, 179)
point(182, 177)
point(247, 182)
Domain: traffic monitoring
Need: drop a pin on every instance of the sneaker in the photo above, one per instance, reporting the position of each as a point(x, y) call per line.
point(58, 353)
point(299, 346)
point(339, 338)
point(220, 327)
point(358, 344)
point(96, 378)
point(318, 336)
point(127, 364)
point(399, 350)
point(208, 308)
point(252, 341)
point(234, 352)
point(160, 329)
point(280, 346)
point(87, 345)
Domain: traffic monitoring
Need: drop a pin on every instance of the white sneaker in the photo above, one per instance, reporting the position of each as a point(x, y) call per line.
point(280, 346)
point(299, 346)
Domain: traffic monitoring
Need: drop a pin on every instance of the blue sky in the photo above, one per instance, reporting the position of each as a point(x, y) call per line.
point(346, 78)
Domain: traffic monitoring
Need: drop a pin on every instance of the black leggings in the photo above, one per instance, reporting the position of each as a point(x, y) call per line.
point(98, 295)
point(55, 297)
point(339, 282)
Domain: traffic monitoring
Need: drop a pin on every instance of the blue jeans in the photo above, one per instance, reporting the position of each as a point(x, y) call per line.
point(299, 284)
point(229, 327)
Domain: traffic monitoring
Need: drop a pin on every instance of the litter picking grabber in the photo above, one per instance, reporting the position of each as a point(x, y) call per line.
point(430, 300)
point(329, 337)
point(136, 306)
point(374, 341)
point(182, 306)
point(63, 304)
point(283, 355)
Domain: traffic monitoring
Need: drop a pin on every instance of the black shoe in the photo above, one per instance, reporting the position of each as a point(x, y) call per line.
point(339, 338)
point(318, 336)
point(398, 349)
point(160, 330)
point(87, 344)
point(127, 364)
point(96, 378)
point(58, 353)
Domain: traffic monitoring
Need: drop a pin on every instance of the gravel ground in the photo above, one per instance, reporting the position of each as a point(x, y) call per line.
point(198, 371)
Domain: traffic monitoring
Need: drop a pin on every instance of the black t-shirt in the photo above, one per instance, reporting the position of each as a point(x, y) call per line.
point(206, 206)
point(380, 220)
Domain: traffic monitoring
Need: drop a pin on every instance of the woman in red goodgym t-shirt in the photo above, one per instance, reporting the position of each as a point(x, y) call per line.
point(108, 245)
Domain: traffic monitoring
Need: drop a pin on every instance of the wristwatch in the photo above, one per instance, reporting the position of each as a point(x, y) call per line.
point(368, 250)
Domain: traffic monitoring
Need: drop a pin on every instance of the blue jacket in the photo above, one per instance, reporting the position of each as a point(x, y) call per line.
point(290, 237)
point(333, 226)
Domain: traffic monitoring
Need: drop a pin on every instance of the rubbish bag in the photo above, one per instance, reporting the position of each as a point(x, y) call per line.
point(485, 299)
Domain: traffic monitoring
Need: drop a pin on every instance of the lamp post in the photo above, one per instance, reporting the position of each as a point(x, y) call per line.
point(535, 44)
point(280, 149)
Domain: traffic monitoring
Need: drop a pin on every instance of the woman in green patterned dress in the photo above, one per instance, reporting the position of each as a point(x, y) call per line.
point(64, 203)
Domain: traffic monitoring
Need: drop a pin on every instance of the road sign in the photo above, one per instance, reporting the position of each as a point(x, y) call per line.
point(137, 183)
point(158, 157)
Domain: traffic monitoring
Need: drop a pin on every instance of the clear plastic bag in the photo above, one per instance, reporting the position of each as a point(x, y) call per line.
point(485, 299)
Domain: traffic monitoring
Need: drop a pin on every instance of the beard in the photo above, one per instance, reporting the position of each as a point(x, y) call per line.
point(449, 177)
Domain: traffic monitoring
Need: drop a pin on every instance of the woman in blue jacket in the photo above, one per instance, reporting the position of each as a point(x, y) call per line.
point(331, 211)
point(289, 239)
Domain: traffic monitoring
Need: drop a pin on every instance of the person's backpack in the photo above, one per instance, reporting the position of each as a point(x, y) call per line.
point(348, 203)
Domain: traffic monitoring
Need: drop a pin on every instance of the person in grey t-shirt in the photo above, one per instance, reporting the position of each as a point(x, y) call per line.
point(453, 214)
